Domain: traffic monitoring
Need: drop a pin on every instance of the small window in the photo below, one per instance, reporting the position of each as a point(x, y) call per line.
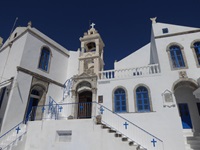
point(197, 51)
point(165, 30)
point(2, 93)
point(44, 59)
point(176, 57)
point(119, 100)
point(64, 136)
point(142, 99)
point(15, 35)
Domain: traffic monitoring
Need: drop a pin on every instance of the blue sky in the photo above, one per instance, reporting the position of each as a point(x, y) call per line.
point(124, 25)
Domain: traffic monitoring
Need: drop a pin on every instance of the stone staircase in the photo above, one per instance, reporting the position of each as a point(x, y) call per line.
point(11, 139)
point(124, 138)
point(192, 141)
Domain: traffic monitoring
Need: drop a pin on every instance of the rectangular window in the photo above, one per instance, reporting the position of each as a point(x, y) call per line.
point(2, 93)
point(165, 30)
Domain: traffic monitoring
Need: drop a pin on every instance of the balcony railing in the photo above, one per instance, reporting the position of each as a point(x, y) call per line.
point(129, 72)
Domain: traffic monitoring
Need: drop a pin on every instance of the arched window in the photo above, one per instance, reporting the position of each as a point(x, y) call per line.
point(197, 51)
point(142, 99)
point(176, 57)
point(44, 59)
point(119, 100)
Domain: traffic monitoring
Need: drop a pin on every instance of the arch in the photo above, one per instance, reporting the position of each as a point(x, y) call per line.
point(142, 98)
point(36, 93)
point(83, 86)
point(187, 104)
point(120, 99)
point(85, 104)
point(176, 56)
point(45, 57)
point(195, 46)
point(184, 82)
point(91, 46)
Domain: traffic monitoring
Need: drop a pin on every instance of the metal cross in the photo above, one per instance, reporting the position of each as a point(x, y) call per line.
point(60, 108)
point(17, 129)
point(92, 25)
point(154, 142)
point(43, 109)
point(101, 110)
point(126, 125)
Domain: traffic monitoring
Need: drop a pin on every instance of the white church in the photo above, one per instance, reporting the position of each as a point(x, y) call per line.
point(55, 99)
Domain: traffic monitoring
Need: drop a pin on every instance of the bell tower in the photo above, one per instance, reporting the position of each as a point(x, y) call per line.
point(91, 57)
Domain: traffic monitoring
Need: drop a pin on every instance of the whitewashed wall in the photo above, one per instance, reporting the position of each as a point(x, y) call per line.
point(86, 135)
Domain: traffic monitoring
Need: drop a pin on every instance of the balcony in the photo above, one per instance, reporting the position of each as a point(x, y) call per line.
point(130, 72)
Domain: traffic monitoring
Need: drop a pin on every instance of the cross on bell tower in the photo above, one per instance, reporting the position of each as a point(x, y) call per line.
point(91, 58)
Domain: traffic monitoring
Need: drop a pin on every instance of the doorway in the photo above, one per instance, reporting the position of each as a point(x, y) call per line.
point(85, 105)
point(185, 116)
point(187, 105)
point(32, 105)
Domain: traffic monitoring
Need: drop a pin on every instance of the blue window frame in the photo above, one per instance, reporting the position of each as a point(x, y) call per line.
point(142, 99)
point(197, 51)
point(2, 93)
point(176, 57)
point(44, 59)
point(120, 100)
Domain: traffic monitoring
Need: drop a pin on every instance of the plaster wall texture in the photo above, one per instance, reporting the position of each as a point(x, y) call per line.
point(184, 40)
point(11, 57)
point(156, 122)
point(173, 29)
point(73, 63)
point(57, 69)
point(17, 102)
point(134, 60)
point(56, 92)
point(85, 135)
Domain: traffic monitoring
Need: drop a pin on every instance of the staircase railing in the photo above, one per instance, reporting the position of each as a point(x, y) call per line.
point(129, 129)
point(12, 136)
point(109, 118)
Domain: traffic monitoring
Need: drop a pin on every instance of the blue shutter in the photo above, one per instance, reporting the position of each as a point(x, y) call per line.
point(176, 57)
point(142, 99)
point(197, 51)
point(44, 59)
point(120, 100)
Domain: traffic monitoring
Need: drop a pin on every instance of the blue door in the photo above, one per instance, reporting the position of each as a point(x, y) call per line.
point(31, 110)
point(185, 116)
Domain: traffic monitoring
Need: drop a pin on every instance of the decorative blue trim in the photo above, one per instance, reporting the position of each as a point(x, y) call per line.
point(43, 109)
point(101, 109)
point(126, 125)
point(44, 59)
point(120, 100)
point(197, 51)
point(154, 142)
point(60, 108)
point(142, 99)
point(177, 57)
point(17, 129)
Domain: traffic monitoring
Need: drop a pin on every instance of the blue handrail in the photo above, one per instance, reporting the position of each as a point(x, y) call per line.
point(11, 129)
point(130, 122)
